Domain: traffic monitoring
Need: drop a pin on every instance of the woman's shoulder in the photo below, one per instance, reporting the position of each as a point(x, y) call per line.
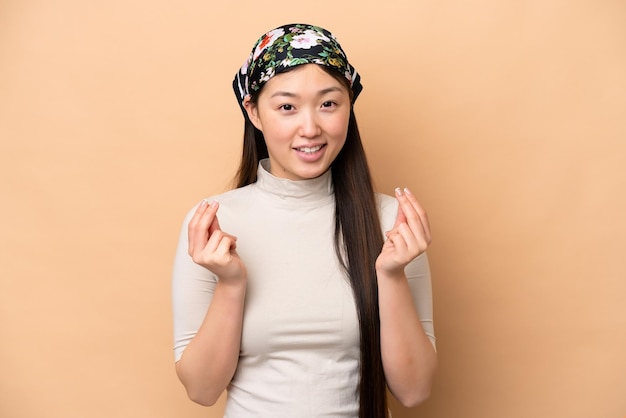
point(233, 195)
point(230, 199)
point(386, 203)
point(387, 209)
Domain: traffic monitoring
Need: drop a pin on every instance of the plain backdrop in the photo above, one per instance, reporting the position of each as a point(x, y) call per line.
point(506, 118)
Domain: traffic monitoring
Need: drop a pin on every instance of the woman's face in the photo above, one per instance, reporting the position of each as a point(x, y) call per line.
point(304, 116)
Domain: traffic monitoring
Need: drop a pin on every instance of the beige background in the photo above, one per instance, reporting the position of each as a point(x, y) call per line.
point(507, 119)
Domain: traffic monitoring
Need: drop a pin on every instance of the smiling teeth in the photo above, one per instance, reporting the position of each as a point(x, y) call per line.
point(310, 150)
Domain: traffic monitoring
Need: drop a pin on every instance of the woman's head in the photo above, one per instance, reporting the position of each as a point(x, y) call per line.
point(296, 91)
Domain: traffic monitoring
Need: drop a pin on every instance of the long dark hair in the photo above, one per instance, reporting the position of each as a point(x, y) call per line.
point(358, 240)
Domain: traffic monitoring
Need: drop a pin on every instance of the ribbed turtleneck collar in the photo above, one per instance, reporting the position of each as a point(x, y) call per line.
point(314, 191)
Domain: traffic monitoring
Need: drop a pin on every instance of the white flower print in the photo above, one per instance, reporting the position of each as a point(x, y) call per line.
point(267, 41)
point(267, 74)
point(308, 39)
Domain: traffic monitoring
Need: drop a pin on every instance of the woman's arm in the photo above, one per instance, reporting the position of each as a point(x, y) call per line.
point(209, 360)
point(409, 357)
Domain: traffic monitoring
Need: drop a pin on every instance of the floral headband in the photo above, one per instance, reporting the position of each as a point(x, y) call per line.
point(288, 46)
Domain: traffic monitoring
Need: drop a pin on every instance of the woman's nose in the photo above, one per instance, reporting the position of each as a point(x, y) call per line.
point(309, 125)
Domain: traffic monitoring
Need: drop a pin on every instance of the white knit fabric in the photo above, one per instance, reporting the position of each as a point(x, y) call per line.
point(300, 341)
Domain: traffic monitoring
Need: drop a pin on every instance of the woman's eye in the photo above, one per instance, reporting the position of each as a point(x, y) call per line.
point(286, 107)
point(328, 104)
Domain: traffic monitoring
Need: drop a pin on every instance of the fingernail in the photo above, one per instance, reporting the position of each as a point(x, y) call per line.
point(214, 203)
point(398, 191)
point(204, 203)
point(407, 191)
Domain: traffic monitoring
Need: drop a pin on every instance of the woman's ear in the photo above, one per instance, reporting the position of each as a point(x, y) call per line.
point(253, 113)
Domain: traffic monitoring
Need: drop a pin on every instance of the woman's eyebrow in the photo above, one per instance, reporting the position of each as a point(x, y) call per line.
point(283, 93)
point(329, 90)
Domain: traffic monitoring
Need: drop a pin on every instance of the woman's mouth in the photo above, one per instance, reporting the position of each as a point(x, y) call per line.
point(310, 150)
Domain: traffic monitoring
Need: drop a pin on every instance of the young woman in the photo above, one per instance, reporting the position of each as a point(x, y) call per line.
point(302, 292)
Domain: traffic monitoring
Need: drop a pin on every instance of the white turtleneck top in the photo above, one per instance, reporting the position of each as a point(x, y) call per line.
point(300, 340)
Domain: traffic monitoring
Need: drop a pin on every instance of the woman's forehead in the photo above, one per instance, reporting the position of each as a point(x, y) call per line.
point(304, 79)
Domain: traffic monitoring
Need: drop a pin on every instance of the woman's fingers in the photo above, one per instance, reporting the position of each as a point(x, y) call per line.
point(415, 215)
point(226, 245)
point(398, 240)
point(409, 237)
point(216, 238)
point(192, 226)
point(198, 229)
point(211, 247)
point(406, 244)
point(423, 216)
point(214, 226)
point(400, 217)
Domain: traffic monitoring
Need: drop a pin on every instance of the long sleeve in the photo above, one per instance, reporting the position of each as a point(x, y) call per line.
point(192, 291)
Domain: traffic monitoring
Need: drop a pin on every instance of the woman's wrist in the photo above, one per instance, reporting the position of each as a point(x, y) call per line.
point(393, 275)
point(233, 287)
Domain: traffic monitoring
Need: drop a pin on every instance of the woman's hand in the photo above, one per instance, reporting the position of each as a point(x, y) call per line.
point(409, 237)
point(211, 247)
